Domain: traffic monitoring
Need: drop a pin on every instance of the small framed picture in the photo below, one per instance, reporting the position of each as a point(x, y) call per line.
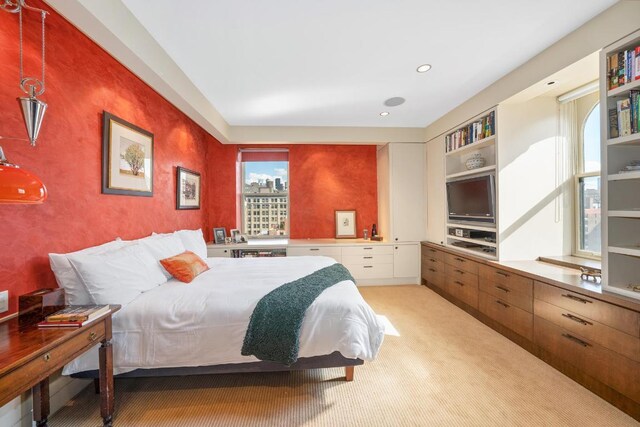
point(345, 224)
point(219, 235)
point(187, 189)
point(235, 235)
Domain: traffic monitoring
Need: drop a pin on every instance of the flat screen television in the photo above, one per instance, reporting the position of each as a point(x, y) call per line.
point(472, 200)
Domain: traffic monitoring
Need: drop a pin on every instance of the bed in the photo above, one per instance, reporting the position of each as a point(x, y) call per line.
point(180, 329)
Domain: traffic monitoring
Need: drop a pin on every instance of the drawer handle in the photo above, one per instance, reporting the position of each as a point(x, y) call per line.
point(576, 340)
point(459, 283)
point(368, 266)
point(93, 336)
point(367, 249)
point(432, 269)
point(505, 305)
point(502, 273)
point(46, 357)
point(459, 271)
point(459, 259)
point(578, 299)
point(576, 319)
point(500, 288)
point(432, 260)
point(367, 257)
point(432, 250)
point(314, 249)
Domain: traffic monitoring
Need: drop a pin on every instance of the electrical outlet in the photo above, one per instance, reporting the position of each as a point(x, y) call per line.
point(4, 301)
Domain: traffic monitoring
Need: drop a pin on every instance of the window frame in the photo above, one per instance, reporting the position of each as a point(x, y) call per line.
point(578, 176)
point(244, 195)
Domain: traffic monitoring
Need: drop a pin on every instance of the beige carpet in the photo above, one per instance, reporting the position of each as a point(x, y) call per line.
point(445, 369)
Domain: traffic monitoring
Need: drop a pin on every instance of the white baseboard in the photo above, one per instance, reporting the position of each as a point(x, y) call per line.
point(19, 412)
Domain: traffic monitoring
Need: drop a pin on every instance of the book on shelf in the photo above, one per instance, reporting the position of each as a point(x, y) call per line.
point(473, 132)
point(77, 313)
point(623, 67)
point(624, 119)
point(613, 123)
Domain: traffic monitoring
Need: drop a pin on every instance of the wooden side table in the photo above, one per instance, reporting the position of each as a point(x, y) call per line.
point(29, 355)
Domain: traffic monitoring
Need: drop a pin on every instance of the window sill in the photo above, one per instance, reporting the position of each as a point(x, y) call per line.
point(572, 261)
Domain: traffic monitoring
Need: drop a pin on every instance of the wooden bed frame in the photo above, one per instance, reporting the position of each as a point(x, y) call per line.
point(333, 360)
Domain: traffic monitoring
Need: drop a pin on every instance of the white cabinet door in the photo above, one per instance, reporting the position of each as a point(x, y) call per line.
point(435, 190)
point(407, 192)
point(332, 252)
point(406, 260)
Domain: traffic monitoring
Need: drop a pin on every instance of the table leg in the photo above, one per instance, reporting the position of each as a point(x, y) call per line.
point(40, 395)
point(106, 376)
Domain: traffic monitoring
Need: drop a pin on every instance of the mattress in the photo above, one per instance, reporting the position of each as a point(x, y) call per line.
point(203, 323)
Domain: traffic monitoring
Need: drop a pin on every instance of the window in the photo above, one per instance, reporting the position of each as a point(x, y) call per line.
point(265, 186)
point(588, 206)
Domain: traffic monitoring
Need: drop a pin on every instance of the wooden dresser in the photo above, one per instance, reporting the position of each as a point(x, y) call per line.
point(590, 336)
point(29, 355)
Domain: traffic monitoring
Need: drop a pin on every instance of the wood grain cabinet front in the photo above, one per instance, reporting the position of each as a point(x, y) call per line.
point(461, 284)
point(461, 263)
point(518, 320)
point(511, 288)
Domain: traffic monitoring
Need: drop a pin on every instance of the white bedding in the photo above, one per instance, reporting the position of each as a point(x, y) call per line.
point(204, 322)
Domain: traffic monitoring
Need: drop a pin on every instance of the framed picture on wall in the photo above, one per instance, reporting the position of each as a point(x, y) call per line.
point(187, 189)
point(127, 158)
point(345, 224)
point(219, 235)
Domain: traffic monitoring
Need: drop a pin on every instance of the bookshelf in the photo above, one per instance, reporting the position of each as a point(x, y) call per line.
point(620, 179)
point(476, 137)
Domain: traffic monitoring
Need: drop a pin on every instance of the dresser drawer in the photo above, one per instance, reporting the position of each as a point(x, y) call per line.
point(609, 367)
point(435, 278)
point(218, 252)
point(507, 293)
point(461, 263)
point(455, 274)
point(368, 259)
point(434, 263)
point(604, 335)
point(608, 314)
point(367, 250)
point(330, 251)
point(510, 316)
point(432, 253)
point(370, 271)
point(506, 279)
point(47, 363)
point(467, 293)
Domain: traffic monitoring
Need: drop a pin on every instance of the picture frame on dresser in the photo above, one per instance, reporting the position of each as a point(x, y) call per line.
point(346, 224)
point(219, 235)
point(127, 158)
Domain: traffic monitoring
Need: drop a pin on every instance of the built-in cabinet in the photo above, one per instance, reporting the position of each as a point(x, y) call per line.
point(593, 340)
point(620, 179)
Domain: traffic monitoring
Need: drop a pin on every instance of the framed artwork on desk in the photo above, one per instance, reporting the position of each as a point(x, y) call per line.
point(345, 224)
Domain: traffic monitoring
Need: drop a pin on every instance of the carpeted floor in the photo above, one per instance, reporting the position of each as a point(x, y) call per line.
point(444, 369)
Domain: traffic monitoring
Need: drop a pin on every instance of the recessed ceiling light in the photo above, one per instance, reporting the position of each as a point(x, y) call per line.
point(552, 82)
point(384, 113)
point(423, 68)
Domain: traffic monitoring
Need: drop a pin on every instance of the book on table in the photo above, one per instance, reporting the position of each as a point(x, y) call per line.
point(74, 316)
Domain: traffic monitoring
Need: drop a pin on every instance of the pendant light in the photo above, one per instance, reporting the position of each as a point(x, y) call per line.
point(18, 185)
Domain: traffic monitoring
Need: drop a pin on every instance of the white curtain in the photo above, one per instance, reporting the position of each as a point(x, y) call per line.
point(566, 153)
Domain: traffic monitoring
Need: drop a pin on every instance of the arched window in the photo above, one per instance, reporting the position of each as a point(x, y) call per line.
point(588, 232)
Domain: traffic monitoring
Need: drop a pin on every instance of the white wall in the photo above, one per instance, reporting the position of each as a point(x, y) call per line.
point(435, 187)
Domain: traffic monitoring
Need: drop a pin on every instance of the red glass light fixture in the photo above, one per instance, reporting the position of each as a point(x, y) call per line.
point(18, 186)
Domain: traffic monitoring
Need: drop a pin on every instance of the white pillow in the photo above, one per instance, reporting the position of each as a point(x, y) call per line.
point(161, 247)
point(118, 276)
point(193, 241)
point(75, 291)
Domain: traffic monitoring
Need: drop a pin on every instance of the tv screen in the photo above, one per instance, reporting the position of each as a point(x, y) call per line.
point(472, 199)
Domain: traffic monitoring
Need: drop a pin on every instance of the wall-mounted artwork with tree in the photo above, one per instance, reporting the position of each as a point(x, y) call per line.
point(127, 158)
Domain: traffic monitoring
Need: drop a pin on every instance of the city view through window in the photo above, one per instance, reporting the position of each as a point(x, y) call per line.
point(265, 198)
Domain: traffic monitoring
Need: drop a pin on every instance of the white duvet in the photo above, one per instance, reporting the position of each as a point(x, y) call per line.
point(204, 322)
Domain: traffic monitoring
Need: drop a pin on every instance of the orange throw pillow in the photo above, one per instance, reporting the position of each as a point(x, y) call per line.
point(185, 266)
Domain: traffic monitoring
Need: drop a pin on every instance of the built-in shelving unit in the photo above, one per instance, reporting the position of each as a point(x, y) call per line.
point(620, 181)
point(474, 138)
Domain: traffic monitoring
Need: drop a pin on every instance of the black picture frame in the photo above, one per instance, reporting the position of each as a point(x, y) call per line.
point(219, 235)
point(188, 189)
point(114, 130)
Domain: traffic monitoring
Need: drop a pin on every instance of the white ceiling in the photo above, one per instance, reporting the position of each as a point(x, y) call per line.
point(333, 63)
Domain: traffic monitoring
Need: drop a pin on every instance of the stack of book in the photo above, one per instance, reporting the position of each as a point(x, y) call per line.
point(74, 316)
point(473, 132)
point(625, 118)
point(623, 67)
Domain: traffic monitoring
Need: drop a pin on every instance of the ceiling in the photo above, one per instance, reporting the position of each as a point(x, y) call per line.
point(291, 64)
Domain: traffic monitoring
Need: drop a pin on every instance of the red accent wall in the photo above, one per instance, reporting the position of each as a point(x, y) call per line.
point(82, 81)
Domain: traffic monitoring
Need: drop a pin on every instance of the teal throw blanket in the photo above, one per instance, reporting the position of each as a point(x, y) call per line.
point(274, 328)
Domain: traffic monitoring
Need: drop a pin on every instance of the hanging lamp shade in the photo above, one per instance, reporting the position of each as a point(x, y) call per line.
point(18, 185)
point(33, 112)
